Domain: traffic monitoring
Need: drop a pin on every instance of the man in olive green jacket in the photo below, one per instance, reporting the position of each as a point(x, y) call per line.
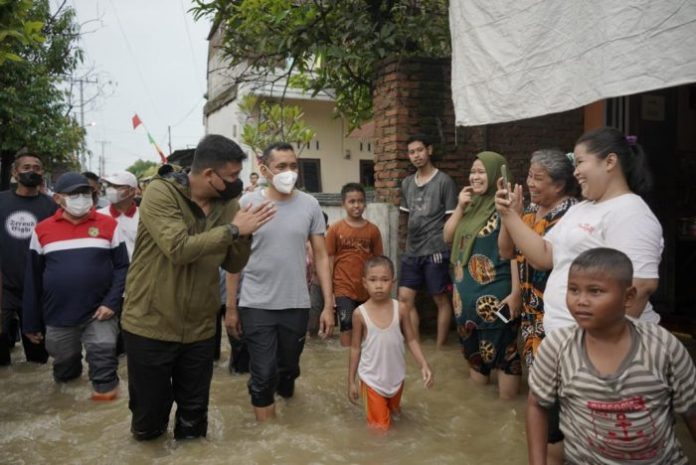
point(190, 225)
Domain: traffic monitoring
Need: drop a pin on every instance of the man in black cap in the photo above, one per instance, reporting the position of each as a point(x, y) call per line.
point(20, 211)
point(76, 275)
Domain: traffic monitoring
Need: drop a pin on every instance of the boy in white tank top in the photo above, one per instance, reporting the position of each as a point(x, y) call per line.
point(377, 347)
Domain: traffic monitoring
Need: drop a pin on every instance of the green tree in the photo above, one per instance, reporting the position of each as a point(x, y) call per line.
point(269, 121)
point(327, 45)
point(16, 29)
point(34, 105)
point(143, 168)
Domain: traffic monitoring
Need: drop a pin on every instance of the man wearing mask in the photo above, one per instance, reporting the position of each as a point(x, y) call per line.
point(97, 199)
point(274, 299)
point(120, 192)
point(190, 225)
point(20, 211)
point(75, 278)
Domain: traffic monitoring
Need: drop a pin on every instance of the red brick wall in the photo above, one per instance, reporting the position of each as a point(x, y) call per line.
point(414, 95)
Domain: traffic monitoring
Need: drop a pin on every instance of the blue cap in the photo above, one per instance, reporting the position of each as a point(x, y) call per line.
point(70, 182)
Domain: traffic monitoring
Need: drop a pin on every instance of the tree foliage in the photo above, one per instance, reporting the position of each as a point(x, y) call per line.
point(327, 45)
point(143, 168)
point(34, 108)
point(268, 122)
point(16, 29)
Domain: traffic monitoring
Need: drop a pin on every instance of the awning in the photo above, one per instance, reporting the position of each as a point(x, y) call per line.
point(515, 59)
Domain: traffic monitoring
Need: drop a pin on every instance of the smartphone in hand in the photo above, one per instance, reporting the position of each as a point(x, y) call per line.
point(503, 312)
point(506, 179)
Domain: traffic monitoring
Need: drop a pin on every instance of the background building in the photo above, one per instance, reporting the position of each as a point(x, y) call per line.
point(334, 157)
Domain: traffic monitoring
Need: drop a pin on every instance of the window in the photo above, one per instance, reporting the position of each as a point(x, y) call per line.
point(367, 173)
point(310, 174)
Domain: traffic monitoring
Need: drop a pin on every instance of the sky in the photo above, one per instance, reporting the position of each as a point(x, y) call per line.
point(149, 57)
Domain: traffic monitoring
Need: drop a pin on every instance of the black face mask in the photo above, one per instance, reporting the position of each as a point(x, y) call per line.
point(232, 189)
point(30, 179)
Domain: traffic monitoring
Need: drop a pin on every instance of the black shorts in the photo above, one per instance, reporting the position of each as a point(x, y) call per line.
point(345, 306)
point(431, 270)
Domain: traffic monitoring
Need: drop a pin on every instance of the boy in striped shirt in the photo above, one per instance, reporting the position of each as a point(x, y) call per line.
point(619, 381)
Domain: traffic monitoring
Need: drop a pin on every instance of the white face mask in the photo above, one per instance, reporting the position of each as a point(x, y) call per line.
point(284, 182)
point(114, 195)
point(79, 205)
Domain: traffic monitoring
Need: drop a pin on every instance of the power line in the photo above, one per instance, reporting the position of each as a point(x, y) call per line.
point(193, 55)
point(189, 113)
point(135, 61)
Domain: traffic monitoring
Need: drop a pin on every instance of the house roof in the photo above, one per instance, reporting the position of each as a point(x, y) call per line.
point(366, 131)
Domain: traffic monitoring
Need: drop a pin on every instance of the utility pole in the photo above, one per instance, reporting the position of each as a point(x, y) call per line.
point(81, 82)
point(169, 131)
point(102, 158)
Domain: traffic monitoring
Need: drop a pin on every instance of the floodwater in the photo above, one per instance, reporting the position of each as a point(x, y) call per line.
point(456, 422)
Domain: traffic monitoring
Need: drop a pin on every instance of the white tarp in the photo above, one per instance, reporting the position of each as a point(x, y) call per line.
point(515, 59)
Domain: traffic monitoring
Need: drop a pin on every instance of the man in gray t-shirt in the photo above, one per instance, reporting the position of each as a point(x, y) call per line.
point(427, 196)
point(274, 298)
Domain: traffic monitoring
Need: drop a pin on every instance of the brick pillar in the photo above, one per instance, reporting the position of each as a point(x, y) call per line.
point(414, 95)
point(411, 96)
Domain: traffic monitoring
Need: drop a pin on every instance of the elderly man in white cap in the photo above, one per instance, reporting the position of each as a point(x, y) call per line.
point(120, 192)
point(121, 187)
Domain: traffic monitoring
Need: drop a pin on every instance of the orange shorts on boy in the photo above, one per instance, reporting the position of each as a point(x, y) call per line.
point(379, 408)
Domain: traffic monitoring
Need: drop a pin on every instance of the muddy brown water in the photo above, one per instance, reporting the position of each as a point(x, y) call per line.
point(456, 422)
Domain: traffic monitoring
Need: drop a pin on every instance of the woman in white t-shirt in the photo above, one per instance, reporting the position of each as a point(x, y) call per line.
point(611, 171)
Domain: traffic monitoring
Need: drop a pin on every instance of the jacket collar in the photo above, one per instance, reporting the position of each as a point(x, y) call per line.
point(129, 213)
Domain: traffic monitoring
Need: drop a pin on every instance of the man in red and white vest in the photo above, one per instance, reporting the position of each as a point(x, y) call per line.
point(120, 192)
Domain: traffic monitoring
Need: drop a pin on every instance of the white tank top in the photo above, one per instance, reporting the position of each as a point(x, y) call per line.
point(382, 365)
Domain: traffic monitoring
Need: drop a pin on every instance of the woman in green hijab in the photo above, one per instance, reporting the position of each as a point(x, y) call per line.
point(484, 281)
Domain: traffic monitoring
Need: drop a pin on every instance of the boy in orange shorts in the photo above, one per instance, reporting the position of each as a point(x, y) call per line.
point(377, 347)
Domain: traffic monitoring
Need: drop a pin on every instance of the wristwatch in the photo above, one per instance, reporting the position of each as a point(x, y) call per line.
point(234, 230)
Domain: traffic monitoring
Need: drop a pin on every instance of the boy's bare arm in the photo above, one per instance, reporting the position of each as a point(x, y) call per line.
point(354, 359)
point(537, 431)
point(414, 346)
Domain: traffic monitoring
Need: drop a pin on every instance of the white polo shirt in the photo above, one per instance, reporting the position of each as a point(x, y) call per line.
point(127, 223)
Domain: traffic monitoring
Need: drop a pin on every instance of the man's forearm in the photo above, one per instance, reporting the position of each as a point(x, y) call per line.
point(232, 286)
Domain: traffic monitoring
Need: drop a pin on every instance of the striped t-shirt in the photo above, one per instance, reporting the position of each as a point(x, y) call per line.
point(626, 416)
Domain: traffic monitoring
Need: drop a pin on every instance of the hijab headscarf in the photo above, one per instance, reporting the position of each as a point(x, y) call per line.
point(478, 211)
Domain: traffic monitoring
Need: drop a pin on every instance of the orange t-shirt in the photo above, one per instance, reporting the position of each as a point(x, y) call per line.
point(350, 248)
